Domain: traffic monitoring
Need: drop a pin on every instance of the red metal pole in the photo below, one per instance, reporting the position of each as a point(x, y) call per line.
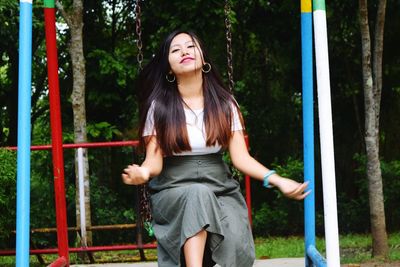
point(248, 188)
point(56, 134)
point(60, 262)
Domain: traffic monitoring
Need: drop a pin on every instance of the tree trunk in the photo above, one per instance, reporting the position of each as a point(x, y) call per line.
point(372, 83)
point(74, 19)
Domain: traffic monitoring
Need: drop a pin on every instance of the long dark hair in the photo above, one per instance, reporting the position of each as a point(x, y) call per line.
point(169, 117)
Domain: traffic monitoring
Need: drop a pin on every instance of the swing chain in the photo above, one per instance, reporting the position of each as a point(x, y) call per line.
point(139, 42)
point(144, 194)
point(228, 27)
point(144, 203)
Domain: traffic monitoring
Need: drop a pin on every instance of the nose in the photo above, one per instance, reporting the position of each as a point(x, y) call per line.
point(184, 52)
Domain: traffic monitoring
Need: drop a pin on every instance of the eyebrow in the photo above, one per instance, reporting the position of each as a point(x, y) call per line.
point(184, 43)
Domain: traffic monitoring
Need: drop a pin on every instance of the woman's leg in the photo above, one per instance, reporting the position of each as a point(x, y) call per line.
point(194, 249)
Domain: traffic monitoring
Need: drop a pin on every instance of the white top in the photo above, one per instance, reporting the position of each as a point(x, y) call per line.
point(195, 128)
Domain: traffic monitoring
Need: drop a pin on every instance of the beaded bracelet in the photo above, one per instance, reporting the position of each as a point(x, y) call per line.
point(266, 176)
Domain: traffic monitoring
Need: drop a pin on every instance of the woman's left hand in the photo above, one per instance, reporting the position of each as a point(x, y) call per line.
point(291, 188)
point(135, 175)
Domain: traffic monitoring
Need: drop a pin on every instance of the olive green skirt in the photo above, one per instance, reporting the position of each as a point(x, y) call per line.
point(194, 193)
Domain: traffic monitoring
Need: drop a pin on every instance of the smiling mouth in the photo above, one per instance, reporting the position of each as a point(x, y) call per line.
point(186, 59)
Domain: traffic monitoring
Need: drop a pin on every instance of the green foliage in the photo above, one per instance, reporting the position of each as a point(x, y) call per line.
point(109, 208)
point(280, 216)
point(293, 168)
point(8, 172)
point(115, 64)
point(6, 4)
point(391, 188)
point(354, 208)
point(236, 174)
point(103, 131)
point(270, 220)
point(42, 210)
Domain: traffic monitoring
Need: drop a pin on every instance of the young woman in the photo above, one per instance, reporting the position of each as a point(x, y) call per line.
point(188, 118)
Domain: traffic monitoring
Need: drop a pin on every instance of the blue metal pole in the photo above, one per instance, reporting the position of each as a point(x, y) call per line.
point(316, 257)
point(308, 122)
point(24, 133)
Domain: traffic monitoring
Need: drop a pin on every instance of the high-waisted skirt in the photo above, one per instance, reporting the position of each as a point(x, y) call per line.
point(193, 193)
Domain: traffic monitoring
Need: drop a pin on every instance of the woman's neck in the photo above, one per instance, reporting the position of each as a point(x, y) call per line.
point(191, 90)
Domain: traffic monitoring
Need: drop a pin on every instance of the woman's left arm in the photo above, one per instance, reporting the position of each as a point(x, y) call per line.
point(245, 163)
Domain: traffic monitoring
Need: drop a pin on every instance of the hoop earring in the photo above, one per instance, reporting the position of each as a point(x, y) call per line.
point(170, 77)
point(206, 68)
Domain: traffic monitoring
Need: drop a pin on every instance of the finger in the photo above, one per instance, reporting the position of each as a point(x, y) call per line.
point(303, 187)
point(303, 195)
point(132, 166)
point(307, 193)
point(125, 178)
point(298, 191)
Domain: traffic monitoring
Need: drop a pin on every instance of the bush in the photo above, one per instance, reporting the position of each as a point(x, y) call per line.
point(8, 173)
point(354, 207)
point(109, 208)
point(391, 188)
point(281, 216)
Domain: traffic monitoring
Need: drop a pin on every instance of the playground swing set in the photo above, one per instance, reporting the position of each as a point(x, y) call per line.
point(312, 14)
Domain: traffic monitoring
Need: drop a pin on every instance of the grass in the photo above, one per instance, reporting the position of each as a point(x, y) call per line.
point(356, 248)
point(353, 249)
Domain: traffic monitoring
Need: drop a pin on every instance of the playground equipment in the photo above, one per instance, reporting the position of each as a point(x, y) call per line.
point(313, 258)
point(24, 122)
point(326, 133)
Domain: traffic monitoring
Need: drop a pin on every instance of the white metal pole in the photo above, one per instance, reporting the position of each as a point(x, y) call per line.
point(82, 196)
point(326, 135)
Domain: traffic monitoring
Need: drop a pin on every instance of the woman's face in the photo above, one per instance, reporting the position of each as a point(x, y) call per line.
point(184, 55)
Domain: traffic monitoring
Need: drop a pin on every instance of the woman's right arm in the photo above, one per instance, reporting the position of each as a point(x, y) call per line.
point(151, 166)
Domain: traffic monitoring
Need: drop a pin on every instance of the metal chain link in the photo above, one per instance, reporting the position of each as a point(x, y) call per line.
point(228, 28)
point(144, 195)
point(144, 202)
point(139, 44)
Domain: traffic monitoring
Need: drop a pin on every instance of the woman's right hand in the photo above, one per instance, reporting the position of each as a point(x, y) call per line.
point(135, 175)
point(290, 188)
